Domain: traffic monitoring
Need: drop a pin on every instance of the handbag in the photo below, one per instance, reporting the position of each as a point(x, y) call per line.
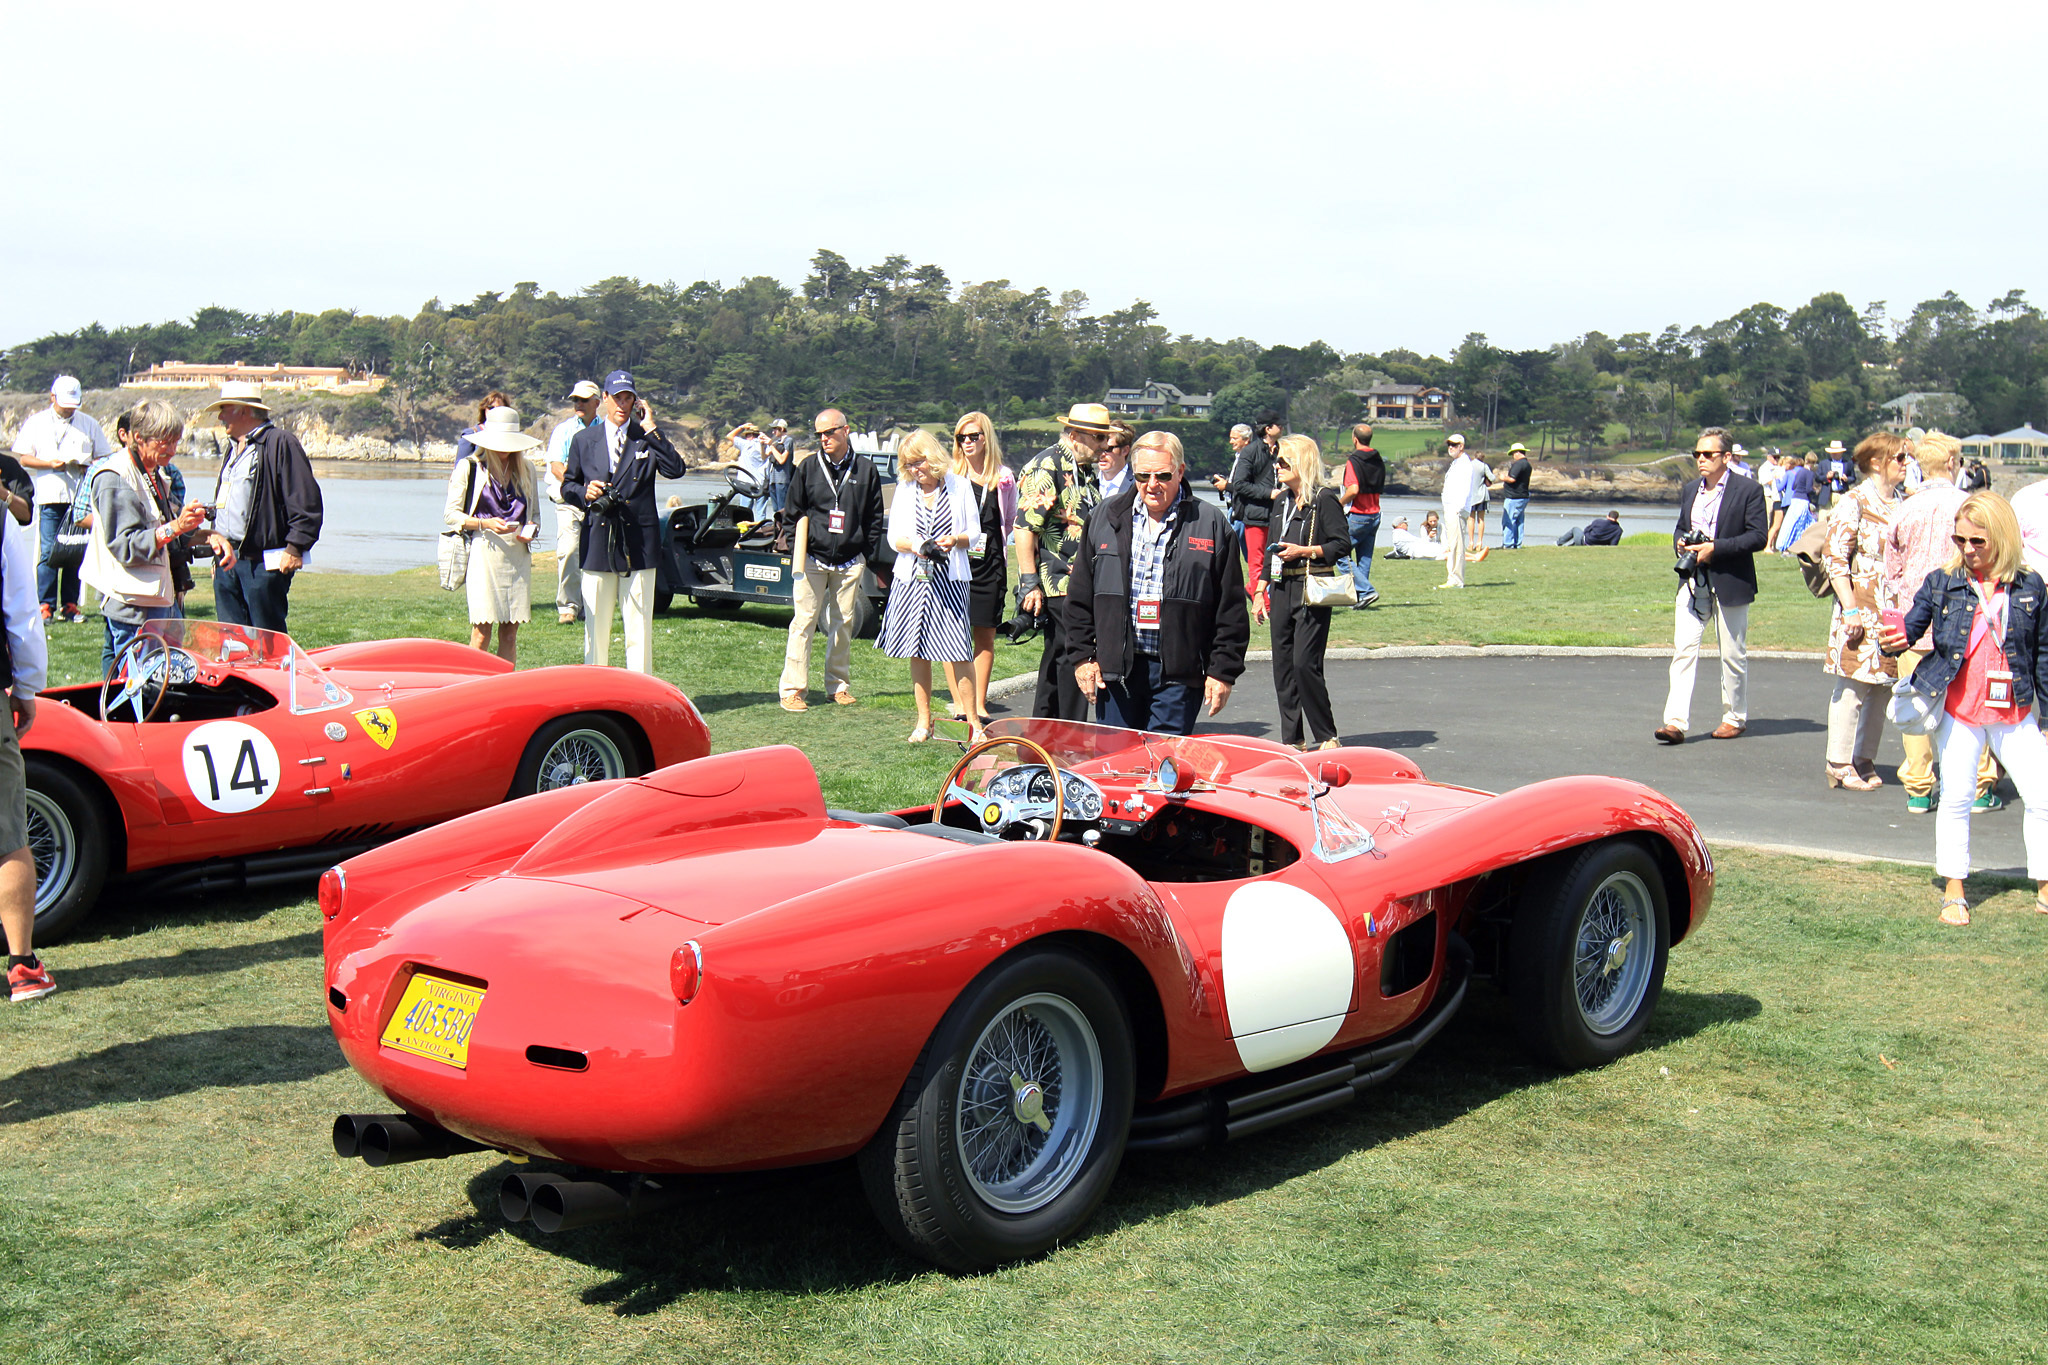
point(68, 552)
point(454, 553)
point(1333, 589)
point(1913, 711)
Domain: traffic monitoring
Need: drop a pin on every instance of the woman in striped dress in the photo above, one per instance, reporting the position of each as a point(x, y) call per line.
point(933, 524)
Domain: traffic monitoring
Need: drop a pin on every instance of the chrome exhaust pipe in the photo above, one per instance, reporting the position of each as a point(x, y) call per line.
point(392, 1139)
point(515, 1194)
point(560, 1205)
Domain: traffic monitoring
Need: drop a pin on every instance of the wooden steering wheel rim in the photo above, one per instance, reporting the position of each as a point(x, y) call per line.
point(980, 747)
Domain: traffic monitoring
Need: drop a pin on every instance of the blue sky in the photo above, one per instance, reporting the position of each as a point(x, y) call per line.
point(1373, 175)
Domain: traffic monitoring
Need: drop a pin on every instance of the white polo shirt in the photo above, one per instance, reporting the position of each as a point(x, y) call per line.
point(77, 443)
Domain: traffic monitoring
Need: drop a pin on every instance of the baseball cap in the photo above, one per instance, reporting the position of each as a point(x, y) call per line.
point(619, 381)
point(1457, 440)
point(584, 389)
point(68, 392)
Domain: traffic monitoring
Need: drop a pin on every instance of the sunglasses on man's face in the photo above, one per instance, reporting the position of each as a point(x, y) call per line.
point(1147, 476)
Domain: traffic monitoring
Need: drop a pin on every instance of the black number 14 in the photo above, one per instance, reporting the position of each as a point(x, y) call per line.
point(248, 774)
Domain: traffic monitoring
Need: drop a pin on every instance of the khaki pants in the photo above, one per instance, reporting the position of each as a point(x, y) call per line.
point(833, 594)
point(1916, 774)
point(601, 596)
point(1687, 631)
point(568, 559)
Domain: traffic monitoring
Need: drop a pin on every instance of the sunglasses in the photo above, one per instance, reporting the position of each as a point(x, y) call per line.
point(1146, 476)
point(963, 437)
point(827, 431)
point(1979, 542)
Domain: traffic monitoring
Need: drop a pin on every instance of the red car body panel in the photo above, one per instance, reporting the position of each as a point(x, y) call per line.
point(460, 721)
point(831, 950)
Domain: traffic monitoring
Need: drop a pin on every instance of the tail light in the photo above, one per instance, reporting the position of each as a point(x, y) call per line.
point(333, 891)
point(686, 971)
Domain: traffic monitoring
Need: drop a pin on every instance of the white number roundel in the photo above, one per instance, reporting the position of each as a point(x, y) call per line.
point(231, 767)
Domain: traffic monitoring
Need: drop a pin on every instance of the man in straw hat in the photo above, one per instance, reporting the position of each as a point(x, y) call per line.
point(57, 444)
point(267, 512)
point(568, 518)
point(1055, 494)
point(610, 474)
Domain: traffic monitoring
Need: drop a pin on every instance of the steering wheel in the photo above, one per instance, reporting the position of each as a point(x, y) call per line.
point(144, 672)
point(999, 812)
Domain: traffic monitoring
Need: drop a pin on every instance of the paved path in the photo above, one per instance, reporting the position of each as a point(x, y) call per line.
point(1497, 722)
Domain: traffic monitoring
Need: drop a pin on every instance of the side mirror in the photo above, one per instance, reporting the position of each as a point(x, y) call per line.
point(1333, 774)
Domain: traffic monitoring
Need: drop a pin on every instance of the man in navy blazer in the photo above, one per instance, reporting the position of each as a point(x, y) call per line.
point(1721, 584)
point(610, 472)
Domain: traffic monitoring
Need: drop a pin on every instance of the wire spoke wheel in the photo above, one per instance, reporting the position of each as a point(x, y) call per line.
point(55, 845)
point(1030, 1100)
point(1610, 967)
point(580, 756)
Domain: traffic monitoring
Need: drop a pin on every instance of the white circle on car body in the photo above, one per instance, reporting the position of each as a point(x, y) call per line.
point(231, 767)
point(1288, 971)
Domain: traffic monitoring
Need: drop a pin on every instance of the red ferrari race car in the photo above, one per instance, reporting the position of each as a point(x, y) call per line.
point(1098, 941)
point(225, 757)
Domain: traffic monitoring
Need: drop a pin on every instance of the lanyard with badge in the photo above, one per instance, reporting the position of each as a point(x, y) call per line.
point(981, 511)
point(1145, 610)
point(835, 516)
point(1991, 621)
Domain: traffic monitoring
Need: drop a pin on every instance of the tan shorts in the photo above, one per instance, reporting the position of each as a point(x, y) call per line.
point(13, 791)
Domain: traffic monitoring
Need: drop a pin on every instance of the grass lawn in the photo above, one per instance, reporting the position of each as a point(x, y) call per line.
point(1828, 1149)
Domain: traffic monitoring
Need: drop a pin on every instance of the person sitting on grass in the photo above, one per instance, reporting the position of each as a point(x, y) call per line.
point(1600, 531)
point(1403, 543)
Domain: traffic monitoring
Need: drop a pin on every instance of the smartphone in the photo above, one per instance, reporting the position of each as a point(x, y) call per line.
point(1893, 620)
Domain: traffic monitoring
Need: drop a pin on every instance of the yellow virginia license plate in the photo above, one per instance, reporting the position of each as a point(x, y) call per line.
point(434, 1018)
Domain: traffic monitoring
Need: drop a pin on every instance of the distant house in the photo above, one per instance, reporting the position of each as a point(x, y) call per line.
point(1934, 411)
point(1155, 398)
point(181, 374)
point(2021, 445)
point(1406, 403)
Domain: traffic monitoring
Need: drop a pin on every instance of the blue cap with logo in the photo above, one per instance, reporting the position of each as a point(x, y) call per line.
point(619, 381)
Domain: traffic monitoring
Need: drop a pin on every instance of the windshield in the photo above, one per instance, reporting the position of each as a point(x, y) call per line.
point(1216, 762)
point(246, 647)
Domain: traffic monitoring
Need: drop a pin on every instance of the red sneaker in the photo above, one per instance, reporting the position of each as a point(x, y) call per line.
point(26, 983)
point(47, 613)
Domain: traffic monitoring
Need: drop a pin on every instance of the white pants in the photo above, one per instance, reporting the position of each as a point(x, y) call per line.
point(1454, 549)
point(833, 594)
point(1686, 632)
point(568, 559)
point(600, 599)
point(2024, 751)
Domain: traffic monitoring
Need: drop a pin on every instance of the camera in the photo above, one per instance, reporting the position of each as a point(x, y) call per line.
point(930, 550)
point(607, 503)
point(1022, 626)
point(1689, 560)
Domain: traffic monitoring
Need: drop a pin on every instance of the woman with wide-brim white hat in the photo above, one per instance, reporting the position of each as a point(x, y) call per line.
point(493, 496)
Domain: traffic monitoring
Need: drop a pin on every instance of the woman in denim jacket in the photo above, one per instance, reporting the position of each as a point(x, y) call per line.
point(1987, 671)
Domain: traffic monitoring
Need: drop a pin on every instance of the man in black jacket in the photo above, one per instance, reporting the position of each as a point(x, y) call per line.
point(1156, 606)
point(835, 499)
point(266, 515)
point(610, 472)
point(1253, 488)
point(1729, 515)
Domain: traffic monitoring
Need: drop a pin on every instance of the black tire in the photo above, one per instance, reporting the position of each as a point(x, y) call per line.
point(958, 1174)
point(662, 598)
point(573, 749)
point(1583, 981)
point(867, 618)
point(67, 832)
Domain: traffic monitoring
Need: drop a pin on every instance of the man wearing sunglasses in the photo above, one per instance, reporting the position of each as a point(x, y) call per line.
point(1156, 616)
point(1717, 579)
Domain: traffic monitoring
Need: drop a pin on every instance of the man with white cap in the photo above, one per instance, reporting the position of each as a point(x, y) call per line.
point(568, 517)
point(1055, 494)
point(57, 444)
point(1464, 478)
point(610, 474)
point(267, 512)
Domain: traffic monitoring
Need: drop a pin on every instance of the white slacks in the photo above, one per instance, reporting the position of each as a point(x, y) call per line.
point(1454, 550)
point(600, 599)
point(1686, 632)
point(568, 559)
point(2024, 751)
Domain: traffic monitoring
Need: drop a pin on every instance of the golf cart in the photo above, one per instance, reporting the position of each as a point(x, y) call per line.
point(722, 559)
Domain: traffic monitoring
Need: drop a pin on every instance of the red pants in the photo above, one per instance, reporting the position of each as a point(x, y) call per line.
point(1254, 558)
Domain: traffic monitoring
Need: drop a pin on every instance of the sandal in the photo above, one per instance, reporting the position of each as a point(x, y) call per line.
point(1955, 912)
point(919, 735)
point(2040, 906)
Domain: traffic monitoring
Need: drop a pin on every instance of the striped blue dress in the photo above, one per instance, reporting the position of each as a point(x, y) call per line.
point(927, 619)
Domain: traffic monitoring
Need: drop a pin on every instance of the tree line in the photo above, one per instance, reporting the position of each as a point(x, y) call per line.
point(894, 343)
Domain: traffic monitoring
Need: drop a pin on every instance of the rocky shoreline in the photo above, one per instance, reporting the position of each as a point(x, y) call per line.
point(1564, 483)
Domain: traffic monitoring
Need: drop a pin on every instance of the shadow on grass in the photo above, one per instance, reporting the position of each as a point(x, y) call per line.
point(130, 906)
point(175, 1064)
point(192, 962)
point(809, 1230)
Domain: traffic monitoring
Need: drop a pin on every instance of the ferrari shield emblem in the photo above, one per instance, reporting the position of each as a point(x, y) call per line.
point(992, 814)
point(379, 724)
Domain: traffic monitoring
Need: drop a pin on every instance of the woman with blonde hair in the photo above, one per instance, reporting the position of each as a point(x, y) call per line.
point(1858, 525)
point(494, 499)
point(933, 525)
point(978, 458)
point(1984, 679)
point(1309, 535)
